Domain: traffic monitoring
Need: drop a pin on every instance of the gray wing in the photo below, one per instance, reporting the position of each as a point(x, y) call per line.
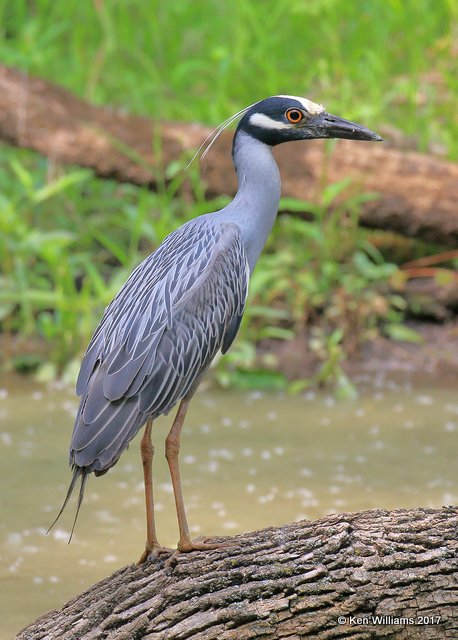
point(163, 329)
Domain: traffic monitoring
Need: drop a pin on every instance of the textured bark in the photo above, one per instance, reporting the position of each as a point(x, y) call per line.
point(417, 193)
point(324, 579)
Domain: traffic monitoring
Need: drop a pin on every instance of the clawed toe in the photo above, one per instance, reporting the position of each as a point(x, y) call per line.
point(154, 551)
point(201, 544)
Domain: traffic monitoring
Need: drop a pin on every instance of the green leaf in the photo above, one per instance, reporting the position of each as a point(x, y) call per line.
point(60, 185)
point(402, 333)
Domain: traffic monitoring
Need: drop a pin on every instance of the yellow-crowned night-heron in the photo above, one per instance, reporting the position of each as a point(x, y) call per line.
point(183, 304)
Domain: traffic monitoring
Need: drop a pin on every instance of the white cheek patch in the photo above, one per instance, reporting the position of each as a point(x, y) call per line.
point(261, 120)
point(311, 107)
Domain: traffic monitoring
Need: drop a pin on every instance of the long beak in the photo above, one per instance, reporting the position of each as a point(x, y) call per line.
point(325, 125)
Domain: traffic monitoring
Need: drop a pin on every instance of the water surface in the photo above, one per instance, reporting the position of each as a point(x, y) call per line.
point(249, 460)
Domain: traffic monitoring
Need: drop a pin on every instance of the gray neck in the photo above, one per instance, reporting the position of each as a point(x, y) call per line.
point(255, 205)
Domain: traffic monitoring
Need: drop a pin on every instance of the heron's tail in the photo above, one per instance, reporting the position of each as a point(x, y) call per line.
point(77, 471)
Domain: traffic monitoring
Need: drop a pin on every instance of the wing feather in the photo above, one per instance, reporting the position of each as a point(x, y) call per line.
point(161, 332)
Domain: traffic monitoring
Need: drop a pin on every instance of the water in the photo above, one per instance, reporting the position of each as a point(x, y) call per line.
point(249, 460)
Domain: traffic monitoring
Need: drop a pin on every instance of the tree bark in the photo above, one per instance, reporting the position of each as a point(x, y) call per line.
point(370, 574)
point(417, 194)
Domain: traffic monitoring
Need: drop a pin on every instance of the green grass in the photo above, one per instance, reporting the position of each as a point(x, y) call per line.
point(68, 240)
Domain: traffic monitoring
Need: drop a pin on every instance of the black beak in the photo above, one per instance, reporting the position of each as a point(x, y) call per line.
point(325, 125)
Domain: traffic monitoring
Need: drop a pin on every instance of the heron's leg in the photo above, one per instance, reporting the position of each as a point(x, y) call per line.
point(172, 449)
point(147, 452)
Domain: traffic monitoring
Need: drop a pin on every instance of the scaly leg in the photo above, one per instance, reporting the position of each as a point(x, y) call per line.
point(172, 449)
point(152, 546)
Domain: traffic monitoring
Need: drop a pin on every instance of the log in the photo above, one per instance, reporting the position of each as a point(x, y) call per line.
point(370, 574)
point(417, 194)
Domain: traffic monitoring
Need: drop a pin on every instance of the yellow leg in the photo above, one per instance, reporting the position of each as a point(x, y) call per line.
point(152, 546)
point(172, 449)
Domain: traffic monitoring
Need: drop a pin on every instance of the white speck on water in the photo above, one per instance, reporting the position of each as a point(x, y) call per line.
point(451, 408)
point(3, 393)
point(409, 424)
point(122, 485)
point(272, 415)
point(110, 558)
point(224, 454)
point(279, 451)
point(250, 488)
point(37, 395)
point(252, 471)
point(398, 408)
point(325, 421)
point(310, 395)
point(195, 528)
point(424, 400)
point(29, 549)
point(329, 401)
point(374, 430)
point(166, 486)
point(14, 538)
point(6, 438)
point(133, 501)
point(359, 413)
point(244, 424)
point(61, 534)
point(106, 517)
point(247, 452)
point(450, 426)
point(306, 473)
point(54, 579)
point(429, 450)
point(221, 513)
point(213, 466)
point(360, 459)
point(227, 422)
point(189, 459)
point(334, 489)
point(378, 445)
point(256, 395)
point(37, 579)
point(230, 525)
point(266, 455)
point(338, 502)
point(205, 428)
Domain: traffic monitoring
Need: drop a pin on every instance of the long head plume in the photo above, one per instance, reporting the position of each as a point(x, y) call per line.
point(77, 471)
point(212, 137)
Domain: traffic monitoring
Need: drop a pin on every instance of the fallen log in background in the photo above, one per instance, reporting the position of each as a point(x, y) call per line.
point(417, 193)
point(370, 574)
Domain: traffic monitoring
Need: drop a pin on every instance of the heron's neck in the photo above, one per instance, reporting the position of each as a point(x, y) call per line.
point(255, 205)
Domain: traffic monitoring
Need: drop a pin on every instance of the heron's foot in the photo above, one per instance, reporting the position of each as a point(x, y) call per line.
point(202, 544)
point(154, 550)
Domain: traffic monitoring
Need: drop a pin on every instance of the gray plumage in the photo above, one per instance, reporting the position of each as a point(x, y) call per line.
point(163, 329)
point(185, 302)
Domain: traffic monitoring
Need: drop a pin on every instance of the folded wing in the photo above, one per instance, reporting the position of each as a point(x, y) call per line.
point(159, 334)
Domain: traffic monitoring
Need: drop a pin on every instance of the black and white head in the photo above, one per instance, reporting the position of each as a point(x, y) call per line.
point(284, 118)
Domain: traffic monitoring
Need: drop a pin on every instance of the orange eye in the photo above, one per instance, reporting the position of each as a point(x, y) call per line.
point(294, 116)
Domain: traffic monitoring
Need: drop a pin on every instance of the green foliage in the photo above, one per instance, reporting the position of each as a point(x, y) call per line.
point(68, 240)
point(377, 61)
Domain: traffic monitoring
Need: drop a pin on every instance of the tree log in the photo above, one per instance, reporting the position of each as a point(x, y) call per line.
point(417, 193)
point(383, 574)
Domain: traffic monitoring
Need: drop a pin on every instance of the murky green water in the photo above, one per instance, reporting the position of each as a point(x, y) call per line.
point(249, 460)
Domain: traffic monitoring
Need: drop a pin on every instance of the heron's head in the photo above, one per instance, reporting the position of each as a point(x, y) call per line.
point(283, 118)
